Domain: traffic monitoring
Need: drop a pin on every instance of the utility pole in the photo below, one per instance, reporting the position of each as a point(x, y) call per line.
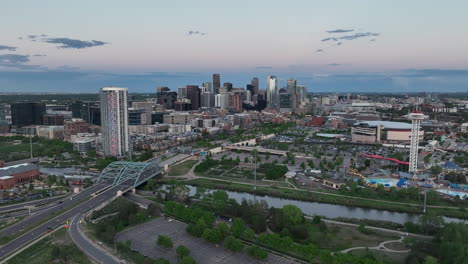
point(30, 145)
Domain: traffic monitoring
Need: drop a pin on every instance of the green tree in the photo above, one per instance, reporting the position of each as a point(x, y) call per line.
point(223, 229)
point(362, 228)
point(431, 222)
point(233, 244)
point(257, 252)
point(248, 234)
point(292, 215)
point(212, 235)
point(187, 260)
point(238, 227)
point(182, 251)
point(197, 228)
point(430, 260)
point(164, 241)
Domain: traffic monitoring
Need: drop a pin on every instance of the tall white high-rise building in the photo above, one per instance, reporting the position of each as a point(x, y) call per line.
point(114, 121)
point(272, 92)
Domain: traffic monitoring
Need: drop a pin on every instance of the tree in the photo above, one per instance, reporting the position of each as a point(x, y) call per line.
point(362, 228)
point(197, 228)
point(452, 243)
point(31, 187)
point(431, 222)
point(430, 260)
point(238, 227)
point(223, 229)
point(154, 209)
point(182, 251)
point(303, 165)
point(292, 215)
point(249, 234)
point(187, 260)
point(257, 252)
point(317, 219)
point(233, 244)
point(164, 241)
point(212, 235)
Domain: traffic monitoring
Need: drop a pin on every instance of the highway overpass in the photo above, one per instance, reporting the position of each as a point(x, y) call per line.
point(117, 177)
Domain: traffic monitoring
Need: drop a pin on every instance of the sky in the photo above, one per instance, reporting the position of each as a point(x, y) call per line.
point(330, 46)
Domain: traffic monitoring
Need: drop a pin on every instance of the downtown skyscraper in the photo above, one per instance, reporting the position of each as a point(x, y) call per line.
point(114, 121)
point(272, 92)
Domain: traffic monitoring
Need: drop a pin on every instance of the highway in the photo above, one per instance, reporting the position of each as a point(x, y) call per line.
point(39, 216)
point(56, 221)
point(20, 206)
point(87, 246)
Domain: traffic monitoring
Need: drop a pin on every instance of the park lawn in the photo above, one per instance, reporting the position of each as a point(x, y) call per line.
point(339, 237)
point(387, 257)
point(182, 168)
point(9, 148)
point(42, 251)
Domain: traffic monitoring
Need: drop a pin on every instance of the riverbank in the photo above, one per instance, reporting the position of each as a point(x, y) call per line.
point(304, 195)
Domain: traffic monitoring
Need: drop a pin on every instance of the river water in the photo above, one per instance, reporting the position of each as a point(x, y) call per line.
point(329, 210)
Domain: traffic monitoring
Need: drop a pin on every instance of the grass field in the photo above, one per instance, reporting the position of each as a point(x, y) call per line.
point(57, 248)
point(182, 168)
point(339, 237)
point(9, 148)
point(389, 257)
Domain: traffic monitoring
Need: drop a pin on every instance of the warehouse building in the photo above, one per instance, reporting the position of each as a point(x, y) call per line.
point(12, 175)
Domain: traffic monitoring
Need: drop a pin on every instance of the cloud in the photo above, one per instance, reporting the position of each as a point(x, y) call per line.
point(334, 64)
point(340, 31)
point(330, 38)
point(319, 50)
point(13, 59)
point(359, 35)
point(196, 32)
point(372, 40)
point(9, 48)
point(39, 55)
point(68, 43)
point(67, 68)
point(263, 67)
point(16, 61)
point(354, 36)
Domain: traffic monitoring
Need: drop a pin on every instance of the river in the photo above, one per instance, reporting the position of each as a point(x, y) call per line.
point(329, 210)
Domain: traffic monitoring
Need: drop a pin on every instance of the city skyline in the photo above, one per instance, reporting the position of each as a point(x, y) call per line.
point(349, 48)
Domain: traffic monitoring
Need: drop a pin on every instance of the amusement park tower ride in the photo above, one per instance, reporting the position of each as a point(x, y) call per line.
point(415, 117)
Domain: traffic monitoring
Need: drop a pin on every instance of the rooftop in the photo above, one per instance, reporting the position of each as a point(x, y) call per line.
point(386, 124)
point(15, 169)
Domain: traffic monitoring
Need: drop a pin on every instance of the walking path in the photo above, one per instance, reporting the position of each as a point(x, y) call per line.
point(381, 247)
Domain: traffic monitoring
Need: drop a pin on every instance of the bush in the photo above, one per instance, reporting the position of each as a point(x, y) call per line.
point(233, 244)
point(164, 241)
point(182, 251)
point(257, 252)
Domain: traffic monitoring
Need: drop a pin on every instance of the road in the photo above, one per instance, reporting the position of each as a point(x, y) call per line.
point(86, 245)
point(381, 247)
point(20, 206)
point(60, 219)
point(39, 216)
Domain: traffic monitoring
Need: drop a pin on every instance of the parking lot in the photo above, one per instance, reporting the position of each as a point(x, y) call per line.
point(143, 238)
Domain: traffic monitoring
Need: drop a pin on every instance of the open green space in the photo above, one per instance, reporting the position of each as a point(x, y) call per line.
point(182, 168)
point(388, 257)
point(56, 248)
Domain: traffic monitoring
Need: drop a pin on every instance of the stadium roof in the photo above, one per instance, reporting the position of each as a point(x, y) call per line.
point(385, 124)
point(15, 169)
